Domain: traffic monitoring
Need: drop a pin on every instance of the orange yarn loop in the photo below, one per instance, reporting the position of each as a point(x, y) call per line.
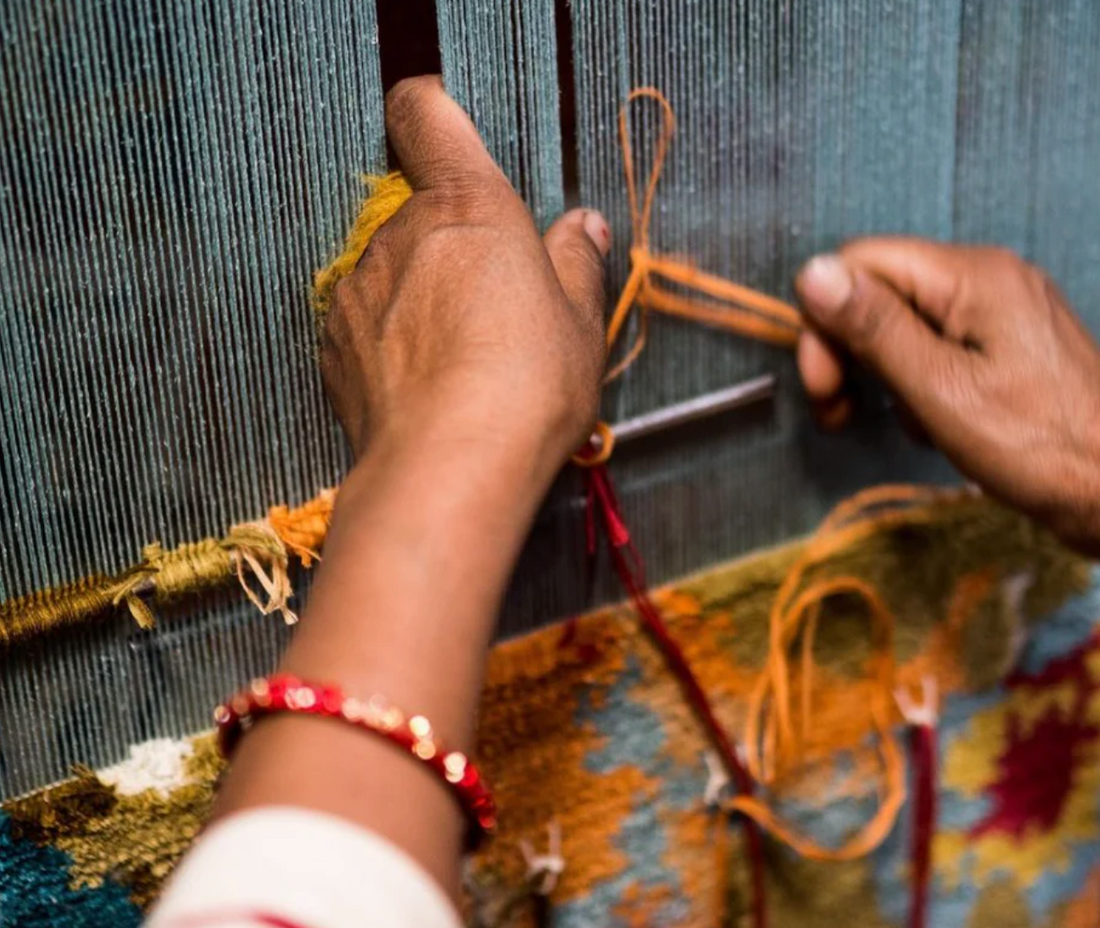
point(599, 447)
point(730, 306)
point(796, 611)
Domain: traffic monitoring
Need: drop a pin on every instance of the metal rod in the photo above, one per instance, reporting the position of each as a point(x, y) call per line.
point(700, 407)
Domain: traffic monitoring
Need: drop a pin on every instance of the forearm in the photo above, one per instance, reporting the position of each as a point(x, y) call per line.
point(423, 540)
point(465, 352)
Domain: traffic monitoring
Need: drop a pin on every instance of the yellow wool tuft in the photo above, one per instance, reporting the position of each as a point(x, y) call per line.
point(387, 195)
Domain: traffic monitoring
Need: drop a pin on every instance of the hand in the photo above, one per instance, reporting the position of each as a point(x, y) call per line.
point(983, 350)
point(468, 352)
point(459, 316)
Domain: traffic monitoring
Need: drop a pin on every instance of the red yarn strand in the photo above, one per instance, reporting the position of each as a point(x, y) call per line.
point(630, 569)
point(922, 747)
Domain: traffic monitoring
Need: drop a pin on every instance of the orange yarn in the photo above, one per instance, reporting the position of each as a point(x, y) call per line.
point(731, 306)
point(769, 732)
point(796, 611)
point(303, 530)
point(251, 552)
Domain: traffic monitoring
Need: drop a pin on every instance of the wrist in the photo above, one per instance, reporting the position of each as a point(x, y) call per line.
point(426, 529)
point(520, 453)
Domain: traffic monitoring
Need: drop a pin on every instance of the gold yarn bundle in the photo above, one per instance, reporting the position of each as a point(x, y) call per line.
point(387, 195)
point(256, 554)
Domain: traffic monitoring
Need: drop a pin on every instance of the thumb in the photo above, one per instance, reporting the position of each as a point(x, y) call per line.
point(578, 243)
point(872, 321)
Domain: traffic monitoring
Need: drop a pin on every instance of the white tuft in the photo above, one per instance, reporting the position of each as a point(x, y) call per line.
point(1016, 587)
point(923, 713)
point(543, 870)
point(157, 764)
point(718, 781)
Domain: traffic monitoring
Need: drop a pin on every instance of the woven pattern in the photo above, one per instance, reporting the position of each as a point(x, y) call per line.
point(582, 725)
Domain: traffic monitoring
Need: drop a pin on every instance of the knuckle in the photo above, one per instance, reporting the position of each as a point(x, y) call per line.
point(1030, 284)
point(474, 197)
point(1039, 281)
point(354, 304)
point(863, 319)
point(342, 294)
point(1004, 261)
point(379, 249)
point(345, 298)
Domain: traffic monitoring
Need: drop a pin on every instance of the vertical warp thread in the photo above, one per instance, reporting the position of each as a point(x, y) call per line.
point(500, 63)
point(170, 175)
point(794, 132)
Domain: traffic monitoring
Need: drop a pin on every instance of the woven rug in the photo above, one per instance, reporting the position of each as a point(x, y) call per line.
point(583, 727)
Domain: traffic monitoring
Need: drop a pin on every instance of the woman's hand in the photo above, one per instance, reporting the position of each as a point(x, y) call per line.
point(464, 358)
point(983, 350)
point(460, 317)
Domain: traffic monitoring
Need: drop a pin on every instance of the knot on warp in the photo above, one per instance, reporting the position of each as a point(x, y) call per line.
point(165, 576)
point(256, 547)
point(672, 285)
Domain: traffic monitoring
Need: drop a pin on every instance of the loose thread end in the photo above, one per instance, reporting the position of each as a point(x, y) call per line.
point(257, 546)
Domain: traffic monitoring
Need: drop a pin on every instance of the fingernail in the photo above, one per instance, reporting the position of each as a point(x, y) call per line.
point(597, 229)
point(826, 283)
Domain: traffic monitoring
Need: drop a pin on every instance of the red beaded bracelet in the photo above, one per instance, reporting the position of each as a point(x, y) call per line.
point(286, 693)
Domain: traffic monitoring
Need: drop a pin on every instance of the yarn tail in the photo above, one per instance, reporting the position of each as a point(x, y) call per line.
point(923, 749)
point(922, 717)
point(630, 569)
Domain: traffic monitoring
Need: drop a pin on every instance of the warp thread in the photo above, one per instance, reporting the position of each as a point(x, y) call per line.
point(253, 552)
point(730, 306)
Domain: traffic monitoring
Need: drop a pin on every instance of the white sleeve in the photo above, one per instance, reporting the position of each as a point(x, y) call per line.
point(296, 868)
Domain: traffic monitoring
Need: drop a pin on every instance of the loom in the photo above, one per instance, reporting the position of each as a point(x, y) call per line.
point(172, 173)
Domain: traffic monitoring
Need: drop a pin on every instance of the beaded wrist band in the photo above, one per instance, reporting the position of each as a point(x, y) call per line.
point(285, 693)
